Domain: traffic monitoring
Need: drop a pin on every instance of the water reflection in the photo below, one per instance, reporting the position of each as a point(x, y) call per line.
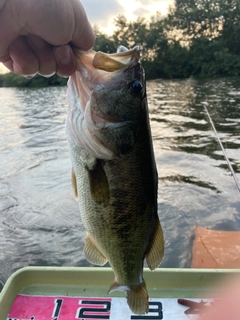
point(39, 219)
point(190, 180)
point(178, 118)
point(195, 184)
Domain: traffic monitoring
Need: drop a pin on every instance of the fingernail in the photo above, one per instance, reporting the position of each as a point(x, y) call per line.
point(63, 54)
point(65, 77)
point(47, 75)
point(29, 76)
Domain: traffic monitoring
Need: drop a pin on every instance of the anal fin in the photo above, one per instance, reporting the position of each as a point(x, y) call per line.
point(155, 254)
point(93, 255)
point(74, 185)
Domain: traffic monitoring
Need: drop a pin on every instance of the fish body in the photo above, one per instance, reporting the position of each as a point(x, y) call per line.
point(114, 171)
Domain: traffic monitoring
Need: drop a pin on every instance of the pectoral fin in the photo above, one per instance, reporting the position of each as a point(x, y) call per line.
point(155, 254)
point(99, 184)
point(74, 185)
point(92, 253)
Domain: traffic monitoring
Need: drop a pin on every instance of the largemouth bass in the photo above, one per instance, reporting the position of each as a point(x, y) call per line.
point(114, 171)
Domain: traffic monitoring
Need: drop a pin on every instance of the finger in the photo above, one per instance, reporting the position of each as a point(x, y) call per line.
point(8, 32)
point(44, 54)
point(66, 62)
point(69, 22)
point(24, 61)
point(227, 306)
point(83, 36)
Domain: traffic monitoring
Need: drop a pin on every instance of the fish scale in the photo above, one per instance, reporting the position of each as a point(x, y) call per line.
point(114, 170)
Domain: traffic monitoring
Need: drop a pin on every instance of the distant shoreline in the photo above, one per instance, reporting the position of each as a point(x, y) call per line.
point(10, 79)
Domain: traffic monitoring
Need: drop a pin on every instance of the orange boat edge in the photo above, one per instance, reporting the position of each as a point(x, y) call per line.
point(216, 249)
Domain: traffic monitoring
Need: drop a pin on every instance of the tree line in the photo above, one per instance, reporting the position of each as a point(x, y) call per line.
point(198, 38)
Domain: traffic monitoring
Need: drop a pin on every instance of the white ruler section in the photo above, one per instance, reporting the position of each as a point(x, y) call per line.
point(167, 309)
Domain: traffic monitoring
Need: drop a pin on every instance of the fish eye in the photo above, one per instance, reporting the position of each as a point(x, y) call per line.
point(135, 87)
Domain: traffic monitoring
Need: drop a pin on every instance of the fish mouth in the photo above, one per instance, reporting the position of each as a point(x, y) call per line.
point(96, 70)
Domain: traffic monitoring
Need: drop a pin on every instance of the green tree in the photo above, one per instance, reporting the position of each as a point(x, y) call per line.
point(211, 30)
point(177, 62)
point(210, 18)
point(130, 34)
point(121, 34)
point(103, 42)
point(196, 17)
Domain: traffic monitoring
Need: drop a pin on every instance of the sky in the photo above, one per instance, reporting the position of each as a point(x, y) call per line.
point(102, 12)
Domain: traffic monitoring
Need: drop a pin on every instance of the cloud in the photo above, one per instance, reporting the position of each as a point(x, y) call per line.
point(102, 12)
point(147, 2)
point(99, 12)
point(140, 12)
point(153, 2)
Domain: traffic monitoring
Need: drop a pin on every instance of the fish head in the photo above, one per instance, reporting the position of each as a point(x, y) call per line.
point(106, 96)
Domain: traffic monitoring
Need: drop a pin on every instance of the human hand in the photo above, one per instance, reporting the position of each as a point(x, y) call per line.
point(227, 306)
point(35, 35)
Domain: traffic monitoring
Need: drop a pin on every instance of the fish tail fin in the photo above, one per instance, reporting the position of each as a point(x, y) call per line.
point(137, 298)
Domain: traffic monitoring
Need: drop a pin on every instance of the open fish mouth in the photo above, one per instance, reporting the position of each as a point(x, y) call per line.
point(96, 71)
point(98, 68)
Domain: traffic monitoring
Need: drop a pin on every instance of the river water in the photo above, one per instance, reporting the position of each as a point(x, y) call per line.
point(40, 222)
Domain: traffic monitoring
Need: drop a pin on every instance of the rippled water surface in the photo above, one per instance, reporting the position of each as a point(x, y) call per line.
point(39, 219)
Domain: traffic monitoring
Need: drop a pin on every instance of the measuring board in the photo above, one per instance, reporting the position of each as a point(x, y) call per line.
point(49, 293)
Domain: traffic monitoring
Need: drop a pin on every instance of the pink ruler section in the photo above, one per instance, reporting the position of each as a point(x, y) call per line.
point(59, 308)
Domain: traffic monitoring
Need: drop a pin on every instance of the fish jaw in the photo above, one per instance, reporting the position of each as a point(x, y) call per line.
point(97, 72)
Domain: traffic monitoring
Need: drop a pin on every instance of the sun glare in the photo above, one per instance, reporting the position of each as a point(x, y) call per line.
point(161, 7)
point(132, 9)
point(3, 69)
point(128, 12)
